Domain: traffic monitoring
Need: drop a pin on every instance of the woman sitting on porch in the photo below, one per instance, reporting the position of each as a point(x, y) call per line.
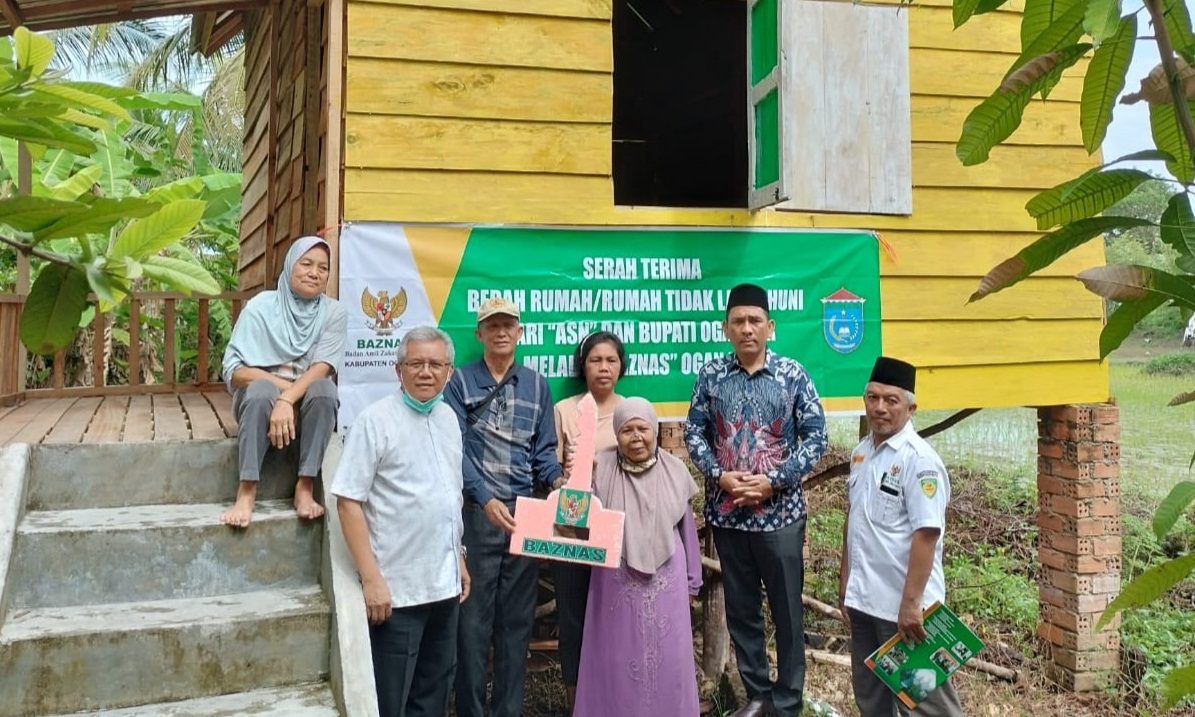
point(637, 653)
point(284, 349)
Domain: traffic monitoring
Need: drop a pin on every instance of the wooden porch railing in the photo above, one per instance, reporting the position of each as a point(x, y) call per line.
point(13, 389)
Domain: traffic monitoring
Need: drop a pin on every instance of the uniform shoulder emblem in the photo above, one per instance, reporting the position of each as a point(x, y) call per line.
point(929, 483)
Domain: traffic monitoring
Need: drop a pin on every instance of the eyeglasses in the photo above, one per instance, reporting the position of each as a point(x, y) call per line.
point(420, 366)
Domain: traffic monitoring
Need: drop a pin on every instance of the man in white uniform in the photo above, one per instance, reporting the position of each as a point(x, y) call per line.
point(399, 500)
point(892, 552)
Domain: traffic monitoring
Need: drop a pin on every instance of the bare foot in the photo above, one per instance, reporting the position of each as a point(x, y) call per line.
point(305, 504)
point(239, 515)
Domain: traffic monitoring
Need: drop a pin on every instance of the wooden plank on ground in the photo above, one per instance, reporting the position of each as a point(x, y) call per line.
point(139, 423)
point(13, 421)
point(170, 423)
point(5, 410)
point(73, 424)
point(204, 423)
point(37, 427)
point(222, 405)
point(108, 423)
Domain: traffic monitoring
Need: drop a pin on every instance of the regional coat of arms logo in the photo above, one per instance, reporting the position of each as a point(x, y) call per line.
point(842, 320)
point(383, 310)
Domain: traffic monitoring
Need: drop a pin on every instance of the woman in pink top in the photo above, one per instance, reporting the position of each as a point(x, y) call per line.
point(600, 360)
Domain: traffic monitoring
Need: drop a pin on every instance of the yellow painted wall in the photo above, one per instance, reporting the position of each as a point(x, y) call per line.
point(499, 111)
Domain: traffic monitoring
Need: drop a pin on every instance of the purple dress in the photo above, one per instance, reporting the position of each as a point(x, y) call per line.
point(637, 653)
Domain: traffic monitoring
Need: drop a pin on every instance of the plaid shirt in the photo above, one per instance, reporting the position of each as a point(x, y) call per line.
point(513, 443)
point(767, 423)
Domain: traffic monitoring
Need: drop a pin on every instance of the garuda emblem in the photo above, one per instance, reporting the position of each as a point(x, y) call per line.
point(384, 310)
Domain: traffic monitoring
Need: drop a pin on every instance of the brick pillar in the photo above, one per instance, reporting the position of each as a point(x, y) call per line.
point(1078, 496)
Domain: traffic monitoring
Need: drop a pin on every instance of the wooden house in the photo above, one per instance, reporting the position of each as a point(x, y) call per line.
point(747, 114)
point(617, 113)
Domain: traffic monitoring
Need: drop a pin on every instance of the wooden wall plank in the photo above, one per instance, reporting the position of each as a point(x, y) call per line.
point(1031, 384)
point(481, 38)
point(886, 77)
point(974, 73)
point(972, 254)
point(933, 27)
point(431, 196)
point(966, 343)
point(940, 119)
point(848, 132)
point(936, 165)
point(588, 9)
point(425, 143)
point(446, 89)
point(920, 298)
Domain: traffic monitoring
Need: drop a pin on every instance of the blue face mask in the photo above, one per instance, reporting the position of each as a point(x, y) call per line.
point(421, 406)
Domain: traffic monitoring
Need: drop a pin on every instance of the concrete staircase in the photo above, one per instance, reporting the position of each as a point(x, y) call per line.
point(125, 596)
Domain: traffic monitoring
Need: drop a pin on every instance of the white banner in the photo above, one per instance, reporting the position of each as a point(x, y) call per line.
point(384, 296)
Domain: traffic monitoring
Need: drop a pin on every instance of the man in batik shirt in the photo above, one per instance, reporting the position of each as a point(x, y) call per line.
point(755, 427)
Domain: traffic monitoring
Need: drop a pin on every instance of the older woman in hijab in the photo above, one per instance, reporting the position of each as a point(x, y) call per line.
point(637, 654)
point(600, 360)
point(284, 349)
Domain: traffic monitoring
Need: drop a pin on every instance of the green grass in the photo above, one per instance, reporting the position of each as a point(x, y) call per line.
point(1179, 363)
point(1156, 440)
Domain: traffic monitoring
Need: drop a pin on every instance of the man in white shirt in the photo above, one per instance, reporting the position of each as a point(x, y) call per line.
point(892, 552)
point(399, 499)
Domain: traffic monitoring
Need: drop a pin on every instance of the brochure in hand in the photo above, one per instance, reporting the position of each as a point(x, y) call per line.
point(914, 671)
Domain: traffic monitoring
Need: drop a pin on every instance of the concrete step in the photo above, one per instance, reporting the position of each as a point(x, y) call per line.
point(113, 475)
point(159, 552)
point(63, 660)
point(310, 700)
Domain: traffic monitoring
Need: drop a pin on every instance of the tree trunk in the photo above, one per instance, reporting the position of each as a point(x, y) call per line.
point(715, 650)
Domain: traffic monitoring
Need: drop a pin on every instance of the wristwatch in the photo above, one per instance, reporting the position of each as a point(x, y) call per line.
point(464, 553)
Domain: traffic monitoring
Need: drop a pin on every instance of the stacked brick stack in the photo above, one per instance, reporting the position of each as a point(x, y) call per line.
point(1079, 544)
point(672, 439)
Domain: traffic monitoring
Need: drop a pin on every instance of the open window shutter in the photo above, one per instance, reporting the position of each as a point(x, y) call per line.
point(847, 144)
point(765, 65)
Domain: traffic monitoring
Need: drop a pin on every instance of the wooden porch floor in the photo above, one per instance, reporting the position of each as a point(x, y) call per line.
point(119, 419)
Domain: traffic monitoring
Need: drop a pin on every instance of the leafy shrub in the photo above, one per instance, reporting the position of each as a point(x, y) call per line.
point(1176, 364)
point(1165, 322)
point(992, 587)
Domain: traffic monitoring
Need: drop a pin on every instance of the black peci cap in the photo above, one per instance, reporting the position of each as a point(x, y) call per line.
point(747, 295)
point(894, 372)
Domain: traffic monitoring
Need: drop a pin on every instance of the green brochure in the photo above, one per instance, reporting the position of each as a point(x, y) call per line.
point(914, 671)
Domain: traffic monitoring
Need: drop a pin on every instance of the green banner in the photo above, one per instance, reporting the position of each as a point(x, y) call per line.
point(664, 291)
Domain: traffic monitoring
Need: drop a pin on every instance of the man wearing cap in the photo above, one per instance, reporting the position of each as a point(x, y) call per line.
point(892, 556)
point(505, 413)
point(755, 427)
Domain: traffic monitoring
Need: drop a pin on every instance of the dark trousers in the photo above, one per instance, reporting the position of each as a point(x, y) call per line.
point(872, 695)
point(572, 593)
point(501, 610)
point(414, 659)
point(315, 415)
point(771, 562)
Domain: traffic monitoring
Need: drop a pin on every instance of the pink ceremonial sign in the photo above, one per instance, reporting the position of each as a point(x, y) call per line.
point(571, 524)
